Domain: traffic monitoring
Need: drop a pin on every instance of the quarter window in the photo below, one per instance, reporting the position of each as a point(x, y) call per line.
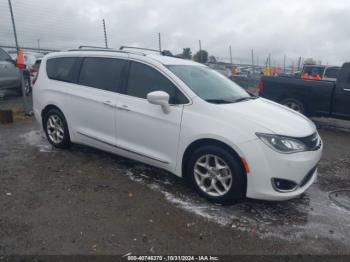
point(144, 79)
point(102, 73)
point(63, 69)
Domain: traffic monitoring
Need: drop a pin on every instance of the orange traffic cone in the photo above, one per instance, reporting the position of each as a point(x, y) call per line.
point(20, 59)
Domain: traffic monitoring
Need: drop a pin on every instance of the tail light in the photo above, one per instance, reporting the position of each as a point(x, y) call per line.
point(33, 70)
point(261, 86)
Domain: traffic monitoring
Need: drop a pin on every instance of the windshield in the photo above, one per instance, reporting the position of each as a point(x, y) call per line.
point(208, 84)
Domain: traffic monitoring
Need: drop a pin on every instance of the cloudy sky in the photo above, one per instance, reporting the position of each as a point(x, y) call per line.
point(318, 28)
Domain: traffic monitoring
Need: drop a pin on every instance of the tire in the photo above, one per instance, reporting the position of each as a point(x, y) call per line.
point(234, 188)
point(56, 129)
point(294, 104)
point(27, 86)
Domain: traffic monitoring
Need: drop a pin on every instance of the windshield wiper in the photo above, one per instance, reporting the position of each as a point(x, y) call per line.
point(219, 101)
point(245, 99)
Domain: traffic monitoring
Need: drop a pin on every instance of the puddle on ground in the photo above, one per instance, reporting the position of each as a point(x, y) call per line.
point(341, 198)
point(312, 216)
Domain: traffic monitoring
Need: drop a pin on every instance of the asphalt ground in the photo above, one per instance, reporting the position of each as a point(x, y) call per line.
point(85, 201)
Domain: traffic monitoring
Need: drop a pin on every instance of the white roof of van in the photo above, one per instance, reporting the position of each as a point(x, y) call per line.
point(168, 60)
point(165, 60)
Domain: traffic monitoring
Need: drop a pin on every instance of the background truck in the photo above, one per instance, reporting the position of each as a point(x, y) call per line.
point(311, 97)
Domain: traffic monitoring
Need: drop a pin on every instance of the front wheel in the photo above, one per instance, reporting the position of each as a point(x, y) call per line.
point(217, 175)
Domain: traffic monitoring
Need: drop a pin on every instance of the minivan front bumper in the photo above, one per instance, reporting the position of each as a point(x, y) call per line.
point(267, 166)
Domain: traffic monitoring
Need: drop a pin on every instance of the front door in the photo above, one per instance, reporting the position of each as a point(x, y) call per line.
point(143, 129)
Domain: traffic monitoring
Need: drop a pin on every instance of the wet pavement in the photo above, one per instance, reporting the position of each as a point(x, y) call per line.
point(85, 201)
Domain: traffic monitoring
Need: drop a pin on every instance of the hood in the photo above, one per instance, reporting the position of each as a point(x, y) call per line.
point(271, 116)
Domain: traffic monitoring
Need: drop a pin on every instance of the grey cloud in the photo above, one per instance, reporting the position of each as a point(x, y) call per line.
point(293, 28)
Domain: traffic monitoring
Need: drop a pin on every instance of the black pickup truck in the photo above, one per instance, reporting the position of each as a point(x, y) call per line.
point(311, 97)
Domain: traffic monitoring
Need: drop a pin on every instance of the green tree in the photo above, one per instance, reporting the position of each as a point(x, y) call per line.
point(201, 57)
point(187, 53)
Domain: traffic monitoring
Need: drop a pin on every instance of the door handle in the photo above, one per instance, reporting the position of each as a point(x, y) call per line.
point(123, 107)
point(108, 103)
point(347, 89)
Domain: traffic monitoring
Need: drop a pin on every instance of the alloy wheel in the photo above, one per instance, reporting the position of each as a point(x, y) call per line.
point(213, 175)
point(55, 129)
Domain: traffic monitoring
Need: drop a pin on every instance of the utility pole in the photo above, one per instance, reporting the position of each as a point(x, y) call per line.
point(26, 111)
point(284, 64)
point(299, 63)
point(105, 32)
point(160, 42)
point(13, 25)
point(253, 67)
point(39, 44)
point(231, 55)
point(200, 50)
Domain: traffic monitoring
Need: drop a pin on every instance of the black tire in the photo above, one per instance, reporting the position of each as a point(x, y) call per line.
point(237, 190)
point(294, 104)
point(27, 86)
point(65, 143)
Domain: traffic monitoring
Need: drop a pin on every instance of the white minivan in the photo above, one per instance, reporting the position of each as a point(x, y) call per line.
point(180, 116)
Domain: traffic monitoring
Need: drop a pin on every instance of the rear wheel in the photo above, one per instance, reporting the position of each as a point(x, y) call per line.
point(294, 104)
point(56, 129)
point(27, 86)
point(216, 175)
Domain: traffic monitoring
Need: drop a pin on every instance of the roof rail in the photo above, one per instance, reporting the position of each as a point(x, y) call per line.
point(89, 46)
point(140, 48)
point(104, 49)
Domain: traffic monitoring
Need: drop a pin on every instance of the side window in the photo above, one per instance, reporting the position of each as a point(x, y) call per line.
point(344, 75)
point(144, 79)
point(102, 73)
point(3, 55)
point(332, 72)
point(63, 69)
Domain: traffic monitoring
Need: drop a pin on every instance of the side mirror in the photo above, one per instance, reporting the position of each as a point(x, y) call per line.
point(11, 60)
point(160, 98)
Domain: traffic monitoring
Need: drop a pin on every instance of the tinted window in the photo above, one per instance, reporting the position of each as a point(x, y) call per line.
point(313, 70)
point(63, 68)
point(144, 79)
point(332, 72)
point(344, 75)
point(3, 55)
point(102, 73)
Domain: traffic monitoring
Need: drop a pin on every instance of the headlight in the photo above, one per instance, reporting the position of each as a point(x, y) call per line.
point(282, 144)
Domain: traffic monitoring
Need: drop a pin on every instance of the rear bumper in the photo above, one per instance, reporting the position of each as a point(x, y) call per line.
point(265, 164)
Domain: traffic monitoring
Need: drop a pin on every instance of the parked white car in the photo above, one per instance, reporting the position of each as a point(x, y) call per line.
point(180, 116)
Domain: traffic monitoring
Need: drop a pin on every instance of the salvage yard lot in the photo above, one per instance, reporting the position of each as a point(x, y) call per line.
point(85, 201)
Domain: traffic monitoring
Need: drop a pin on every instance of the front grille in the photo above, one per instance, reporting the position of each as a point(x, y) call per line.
point(312, 142)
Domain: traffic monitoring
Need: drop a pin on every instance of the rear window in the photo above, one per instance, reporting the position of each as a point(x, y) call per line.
point(332, 72)
point(37, 63)
point(63, 69)
point(102, 73)
point(313, 70)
